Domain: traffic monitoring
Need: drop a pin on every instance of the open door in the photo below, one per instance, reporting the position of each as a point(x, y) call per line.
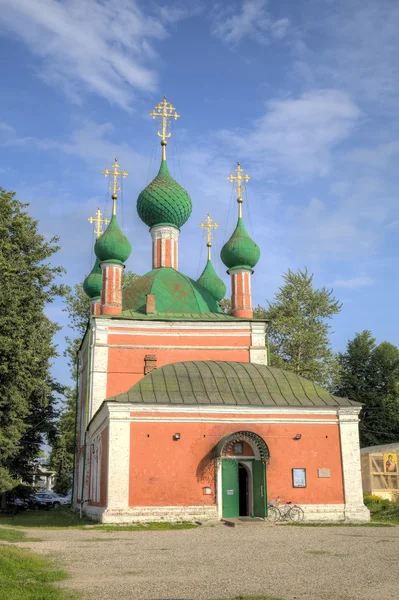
point(259, 478)
point(230, 489)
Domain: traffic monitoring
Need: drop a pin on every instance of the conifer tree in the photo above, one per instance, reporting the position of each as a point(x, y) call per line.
point(28, 394)
point(370, 375)
point(299, 328)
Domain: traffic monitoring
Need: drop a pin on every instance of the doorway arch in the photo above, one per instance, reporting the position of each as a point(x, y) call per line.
point(241, 475)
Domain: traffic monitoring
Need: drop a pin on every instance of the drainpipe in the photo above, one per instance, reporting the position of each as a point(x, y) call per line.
point(87, 416)
point(76, 427)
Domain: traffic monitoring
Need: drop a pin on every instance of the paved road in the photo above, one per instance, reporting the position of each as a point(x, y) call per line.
point(312, 563)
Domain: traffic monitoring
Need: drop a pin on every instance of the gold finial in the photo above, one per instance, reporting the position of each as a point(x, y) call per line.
point(98, 228)
point(210, 226)
point(115, 185)
point(165, 111)
point(240, 181)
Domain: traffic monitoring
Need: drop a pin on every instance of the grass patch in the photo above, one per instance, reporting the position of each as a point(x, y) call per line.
point(325, 552)
point(55, 519)
point(60, 519)
point(145, 527)
point(26, 576)
point(7, 534)
point(103, 539)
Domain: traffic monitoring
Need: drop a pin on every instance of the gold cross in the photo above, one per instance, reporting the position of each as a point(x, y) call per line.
point(165, 111)
point(240, 181)
point(98, 228)
point(209, 225)
point(115, 185)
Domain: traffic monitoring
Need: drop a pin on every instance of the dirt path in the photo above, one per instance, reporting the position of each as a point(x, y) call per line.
point(331, 563)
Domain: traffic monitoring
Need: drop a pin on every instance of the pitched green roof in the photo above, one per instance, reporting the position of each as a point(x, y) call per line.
point(112, 245)
point(212, 282)
point(228, 383)
point(240, 250)
point(92, 285)
point(164, 201)
point(174, 293)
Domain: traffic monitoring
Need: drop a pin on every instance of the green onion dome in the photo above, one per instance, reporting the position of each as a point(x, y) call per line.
point(240, 250)
point(212, 282)
point(92, 285)
point(164, 201)
point(112, 245)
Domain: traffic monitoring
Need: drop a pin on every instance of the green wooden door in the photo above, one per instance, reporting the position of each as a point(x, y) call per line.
point(230, 497)
point(259, 479)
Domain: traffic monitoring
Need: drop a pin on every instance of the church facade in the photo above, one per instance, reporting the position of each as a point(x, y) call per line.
point(179, 415)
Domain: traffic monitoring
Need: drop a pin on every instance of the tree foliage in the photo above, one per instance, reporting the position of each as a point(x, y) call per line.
point(28, 395)
point(370, 374)
point(299, 328)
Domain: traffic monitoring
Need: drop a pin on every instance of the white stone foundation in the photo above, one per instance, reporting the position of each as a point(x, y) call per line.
point(332, 513)
point(314, 513)
point(146, 514)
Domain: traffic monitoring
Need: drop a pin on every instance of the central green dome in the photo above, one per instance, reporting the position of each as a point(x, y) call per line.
point(173, 291)
point(164, 201)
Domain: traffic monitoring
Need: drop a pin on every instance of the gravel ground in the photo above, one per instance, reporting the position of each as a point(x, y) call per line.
point(312, 563)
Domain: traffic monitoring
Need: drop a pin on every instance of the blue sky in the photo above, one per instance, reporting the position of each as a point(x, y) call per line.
point(304, 93)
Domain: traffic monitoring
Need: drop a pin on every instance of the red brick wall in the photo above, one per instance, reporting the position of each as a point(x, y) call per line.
point(165, 472)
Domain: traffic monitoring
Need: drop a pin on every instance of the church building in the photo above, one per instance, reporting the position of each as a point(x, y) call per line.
point(180, 416)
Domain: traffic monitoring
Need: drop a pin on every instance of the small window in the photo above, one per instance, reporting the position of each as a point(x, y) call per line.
point(237, 448)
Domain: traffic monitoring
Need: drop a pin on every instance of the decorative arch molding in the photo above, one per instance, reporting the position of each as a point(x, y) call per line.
point(257, 443)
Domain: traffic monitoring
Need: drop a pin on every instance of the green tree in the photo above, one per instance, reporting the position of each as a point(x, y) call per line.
point(370, 374)
point(299, 329)
point(77, 306)
point(28, 394)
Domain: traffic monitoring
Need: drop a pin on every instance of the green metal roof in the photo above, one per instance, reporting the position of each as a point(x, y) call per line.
point(92, 285)
point(240, 250)
point(228, 383)
point(174, 293)
point(210, 280)
point(164, 201)
point(113, 245)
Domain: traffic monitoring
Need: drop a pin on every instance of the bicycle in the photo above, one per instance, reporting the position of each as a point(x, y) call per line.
point(276, 511)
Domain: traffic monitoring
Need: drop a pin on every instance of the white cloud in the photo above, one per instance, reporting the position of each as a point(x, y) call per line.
point(253, 21)
point(298, 134)
point(357, 48)
point(356, 282)
point(96, 46)
point(377, 157)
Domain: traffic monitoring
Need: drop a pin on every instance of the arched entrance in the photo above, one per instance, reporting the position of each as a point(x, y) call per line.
point(241, 481)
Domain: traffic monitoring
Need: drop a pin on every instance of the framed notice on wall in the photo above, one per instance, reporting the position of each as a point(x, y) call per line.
point(298, 478)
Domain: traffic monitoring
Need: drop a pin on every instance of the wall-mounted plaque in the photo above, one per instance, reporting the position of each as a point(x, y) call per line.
point(230, 492)
point(324, 472)
point(298, 478)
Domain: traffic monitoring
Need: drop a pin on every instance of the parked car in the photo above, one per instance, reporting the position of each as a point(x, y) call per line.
point(15, 504)
point(53, 497)
point(36, 503)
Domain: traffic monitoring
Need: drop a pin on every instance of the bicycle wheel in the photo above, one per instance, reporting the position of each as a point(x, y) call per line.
point(273, 514)
point(296, 514)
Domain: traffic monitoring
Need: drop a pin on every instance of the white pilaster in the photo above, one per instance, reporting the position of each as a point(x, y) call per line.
point(98, 366)
point(257, 351)
point(355, 510)
point(118, 457)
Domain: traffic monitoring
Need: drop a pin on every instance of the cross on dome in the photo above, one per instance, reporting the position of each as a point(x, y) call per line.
point(115, 184)
point(98, 228)
point(164, 111)
point(240, 181)
point(210, 226)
